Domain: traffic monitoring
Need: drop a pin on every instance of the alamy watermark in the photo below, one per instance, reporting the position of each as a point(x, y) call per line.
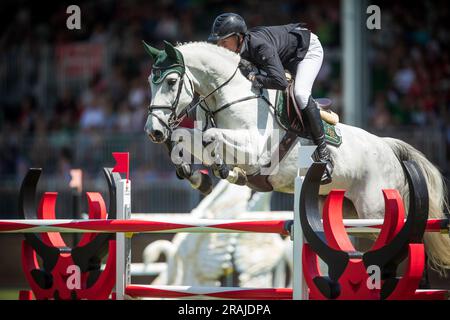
point(373, 22)
point(73, 281)
point(73, 21)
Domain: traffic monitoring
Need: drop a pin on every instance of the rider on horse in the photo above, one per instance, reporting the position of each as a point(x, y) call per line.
point(274, 49)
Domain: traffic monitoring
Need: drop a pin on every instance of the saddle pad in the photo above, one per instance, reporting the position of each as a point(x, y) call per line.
point(332, 133)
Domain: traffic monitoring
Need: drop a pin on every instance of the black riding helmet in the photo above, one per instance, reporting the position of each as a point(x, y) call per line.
point(226, 25)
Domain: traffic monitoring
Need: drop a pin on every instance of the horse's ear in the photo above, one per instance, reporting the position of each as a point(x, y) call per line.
point(171, 51)
point(153, 52)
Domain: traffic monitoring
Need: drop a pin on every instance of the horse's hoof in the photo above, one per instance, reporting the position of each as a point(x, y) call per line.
point(202, 182)
point(238, 176)
point(184, 171)
point(206, 184)
point(221, 171)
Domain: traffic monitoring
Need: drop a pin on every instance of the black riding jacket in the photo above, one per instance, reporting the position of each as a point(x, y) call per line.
point(274, 49)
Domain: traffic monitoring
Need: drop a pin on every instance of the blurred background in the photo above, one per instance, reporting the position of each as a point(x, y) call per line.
point(68, 98)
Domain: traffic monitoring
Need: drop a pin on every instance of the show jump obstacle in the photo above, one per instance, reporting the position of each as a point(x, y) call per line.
point(76, 273)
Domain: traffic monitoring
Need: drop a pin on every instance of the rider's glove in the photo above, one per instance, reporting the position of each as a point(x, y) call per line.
point(247, 67)
point(255, 83)
point(249, 71)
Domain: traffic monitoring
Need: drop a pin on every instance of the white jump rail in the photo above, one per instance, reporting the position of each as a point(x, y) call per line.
point(193, 292)
point(169, 225)
point(143, 226)
point(251, 215)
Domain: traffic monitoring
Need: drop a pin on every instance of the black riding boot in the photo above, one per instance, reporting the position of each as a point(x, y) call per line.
point(312, 114)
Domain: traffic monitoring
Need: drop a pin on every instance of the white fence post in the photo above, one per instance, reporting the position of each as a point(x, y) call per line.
point(300, 289)
point(123, 242)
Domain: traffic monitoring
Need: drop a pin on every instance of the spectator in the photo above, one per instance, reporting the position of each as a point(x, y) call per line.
point(94, 116)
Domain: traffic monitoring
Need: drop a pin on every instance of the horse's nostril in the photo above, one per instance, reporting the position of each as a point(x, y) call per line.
point(158, 134)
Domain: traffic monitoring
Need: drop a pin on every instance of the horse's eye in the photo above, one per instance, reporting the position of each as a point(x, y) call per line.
point(171, 82)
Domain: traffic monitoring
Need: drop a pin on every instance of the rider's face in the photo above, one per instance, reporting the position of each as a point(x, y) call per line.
point(231, 43)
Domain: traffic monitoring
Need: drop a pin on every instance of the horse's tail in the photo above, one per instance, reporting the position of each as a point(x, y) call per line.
point(437, 245)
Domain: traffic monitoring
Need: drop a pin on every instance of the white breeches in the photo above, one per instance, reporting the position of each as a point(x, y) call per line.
point(307, 71)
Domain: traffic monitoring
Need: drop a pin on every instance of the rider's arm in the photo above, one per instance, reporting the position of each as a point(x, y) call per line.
point(270, 62)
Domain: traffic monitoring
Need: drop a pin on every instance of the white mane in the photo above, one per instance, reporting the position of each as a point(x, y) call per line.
point(194, 46)
point(213, 58)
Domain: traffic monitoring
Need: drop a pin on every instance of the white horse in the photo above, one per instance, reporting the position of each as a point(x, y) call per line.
point(364, 164)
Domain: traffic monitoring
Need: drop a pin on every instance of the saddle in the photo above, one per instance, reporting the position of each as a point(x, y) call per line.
point(294, 114)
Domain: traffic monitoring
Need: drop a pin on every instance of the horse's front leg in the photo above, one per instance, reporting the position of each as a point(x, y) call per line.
point(225, 149)
point(198, 179)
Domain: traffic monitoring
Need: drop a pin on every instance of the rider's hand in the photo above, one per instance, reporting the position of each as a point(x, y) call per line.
point(249, 71)
point(255, 83)
point(247, 67)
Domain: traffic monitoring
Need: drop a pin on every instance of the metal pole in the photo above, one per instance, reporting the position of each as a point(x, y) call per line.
point(300, 289)
point(123, 243)
point(354, 61)
point(76, 211)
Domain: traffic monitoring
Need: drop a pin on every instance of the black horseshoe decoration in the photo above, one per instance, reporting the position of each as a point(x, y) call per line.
point(88, 257)
point(27, 210)
point(313, 231)
point(391, 255)
point(348, 268)
point(48, 281)
point(111, 179)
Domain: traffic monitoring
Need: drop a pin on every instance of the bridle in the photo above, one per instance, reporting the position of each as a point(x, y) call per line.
point(175, 120)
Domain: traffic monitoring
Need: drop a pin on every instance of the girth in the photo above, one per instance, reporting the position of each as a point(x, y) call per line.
point(259, 182)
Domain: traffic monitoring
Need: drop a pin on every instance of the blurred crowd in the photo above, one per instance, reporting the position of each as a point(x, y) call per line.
point(409, 60)
point(411, 65)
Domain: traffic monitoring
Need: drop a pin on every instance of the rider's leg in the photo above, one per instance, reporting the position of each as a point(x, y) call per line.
point(322, 153)
point(307, 71)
